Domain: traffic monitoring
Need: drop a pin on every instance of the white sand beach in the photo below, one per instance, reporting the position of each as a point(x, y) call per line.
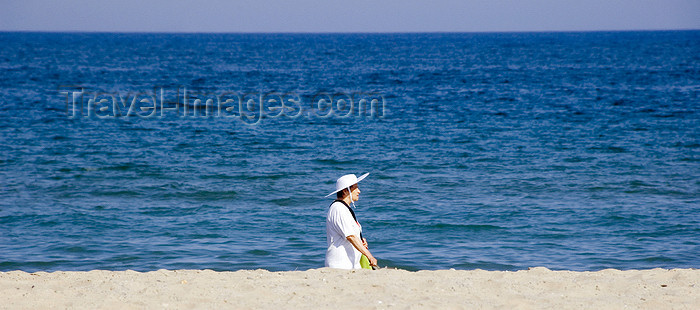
point(537, 288)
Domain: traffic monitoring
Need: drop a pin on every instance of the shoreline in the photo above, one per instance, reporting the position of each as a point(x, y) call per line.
point(330, 288)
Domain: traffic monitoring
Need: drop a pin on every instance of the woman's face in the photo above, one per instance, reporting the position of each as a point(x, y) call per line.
point(356, 193)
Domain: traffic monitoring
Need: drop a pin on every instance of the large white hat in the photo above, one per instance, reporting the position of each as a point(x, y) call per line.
point(346, 181)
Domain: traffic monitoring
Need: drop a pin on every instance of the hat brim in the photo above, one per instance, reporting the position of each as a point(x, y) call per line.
point(362, 177)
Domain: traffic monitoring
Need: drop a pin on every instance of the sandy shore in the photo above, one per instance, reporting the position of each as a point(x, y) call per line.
point(327, 288)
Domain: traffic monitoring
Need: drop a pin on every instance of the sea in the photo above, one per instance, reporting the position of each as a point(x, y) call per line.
point(496, 151)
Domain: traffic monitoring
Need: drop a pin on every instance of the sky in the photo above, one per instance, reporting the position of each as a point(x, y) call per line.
point(347, 15)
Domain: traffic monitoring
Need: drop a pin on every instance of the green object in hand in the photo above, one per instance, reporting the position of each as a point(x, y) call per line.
point(364, 262)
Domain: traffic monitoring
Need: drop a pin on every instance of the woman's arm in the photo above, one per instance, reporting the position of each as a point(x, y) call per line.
point(358, 245)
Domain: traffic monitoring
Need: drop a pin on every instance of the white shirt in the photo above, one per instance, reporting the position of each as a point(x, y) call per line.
point(339, 225)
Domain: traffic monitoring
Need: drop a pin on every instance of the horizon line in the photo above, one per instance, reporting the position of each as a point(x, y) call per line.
point(344, 32)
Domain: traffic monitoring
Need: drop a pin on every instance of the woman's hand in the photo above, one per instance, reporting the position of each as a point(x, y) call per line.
point(372, 260)
point(361, 245)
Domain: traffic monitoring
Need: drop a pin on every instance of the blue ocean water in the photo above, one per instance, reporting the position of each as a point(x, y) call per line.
point(498, 151)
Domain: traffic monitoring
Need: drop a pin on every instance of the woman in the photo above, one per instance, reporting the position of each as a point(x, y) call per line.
point(343, 231)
